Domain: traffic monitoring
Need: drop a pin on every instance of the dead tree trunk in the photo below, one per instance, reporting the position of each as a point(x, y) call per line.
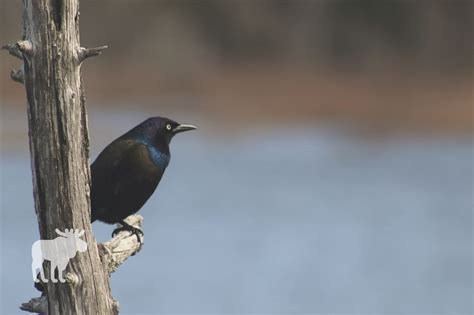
point(59, 143)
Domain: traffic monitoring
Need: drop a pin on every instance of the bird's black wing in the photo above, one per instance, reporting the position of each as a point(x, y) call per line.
point(123, 178)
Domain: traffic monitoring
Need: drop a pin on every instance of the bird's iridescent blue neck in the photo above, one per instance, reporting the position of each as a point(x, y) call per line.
point(160, 157)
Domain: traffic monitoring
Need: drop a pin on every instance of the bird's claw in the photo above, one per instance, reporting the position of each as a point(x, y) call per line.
point(133, 231)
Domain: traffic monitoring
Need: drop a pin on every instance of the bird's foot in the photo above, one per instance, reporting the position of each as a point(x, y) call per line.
point(133, 231)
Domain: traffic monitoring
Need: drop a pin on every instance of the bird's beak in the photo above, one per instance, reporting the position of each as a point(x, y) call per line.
point(182, 128)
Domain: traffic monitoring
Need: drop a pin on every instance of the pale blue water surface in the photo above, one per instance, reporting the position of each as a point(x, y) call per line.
point(297, 219)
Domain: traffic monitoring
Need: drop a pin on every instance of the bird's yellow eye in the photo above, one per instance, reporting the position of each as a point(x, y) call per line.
point(168, 127)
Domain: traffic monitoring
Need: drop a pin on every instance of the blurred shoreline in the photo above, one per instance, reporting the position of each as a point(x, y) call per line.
point(240, 97)
point(377, 66)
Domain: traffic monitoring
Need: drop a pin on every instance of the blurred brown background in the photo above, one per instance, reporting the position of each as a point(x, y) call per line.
point(380, 65)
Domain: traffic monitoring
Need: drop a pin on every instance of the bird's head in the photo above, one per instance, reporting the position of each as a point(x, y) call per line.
point(160, 128)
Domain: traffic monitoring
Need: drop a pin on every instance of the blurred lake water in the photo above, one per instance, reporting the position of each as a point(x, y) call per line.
point(293, 219)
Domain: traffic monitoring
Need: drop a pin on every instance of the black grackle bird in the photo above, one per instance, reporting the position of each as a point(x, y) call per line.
point(127, 171)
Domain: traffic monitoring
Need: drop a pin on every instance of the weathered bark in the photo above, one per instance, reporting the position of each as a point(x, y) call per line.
point(113, 253)
point(59, 144)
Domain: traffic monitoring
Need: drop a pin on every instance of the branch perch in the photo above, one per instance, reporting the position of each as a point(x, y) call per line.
point(13, 50)
point(85, 53)
point(114, 252)
point(25, 47)
point(18, 75)
point(36, 305)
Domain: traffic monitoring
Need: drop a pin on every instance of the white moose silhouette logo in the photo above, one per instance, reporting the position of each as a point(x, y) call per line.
point(58, 252)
